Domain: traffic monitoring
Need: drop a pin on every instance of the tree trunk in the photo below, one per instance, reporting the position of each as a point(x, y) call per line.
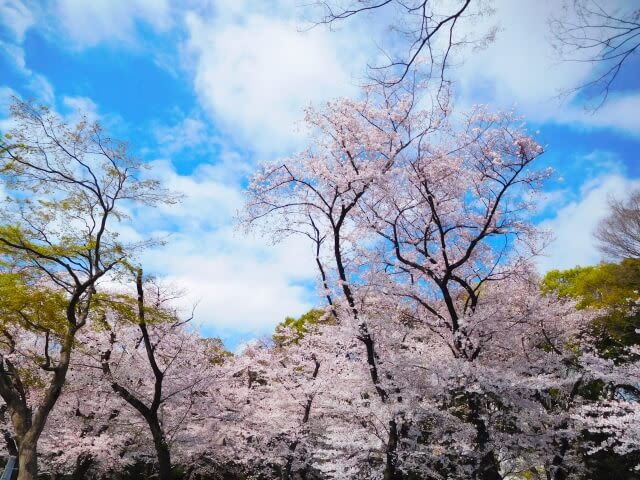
point(27, 460)
point(12, 448)
point(488, 468)
point(83, 465)
point(558, 471)
point(391, 467)
point(162, 449)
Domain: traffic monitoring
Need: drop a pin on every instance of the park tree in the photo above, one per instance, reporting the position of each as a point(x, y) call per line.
point(610, 288)
point(151, 361)
point(317, 192)
point(269, 396)
point(618, 234)
point(292, 329)
point(122, 413)
point(414, 209)
point(309, 407)
point(66, 187)
point(423, 230)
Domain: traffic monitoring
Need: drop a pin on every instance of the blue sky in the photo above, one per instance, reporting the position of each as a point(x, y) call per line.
point(206, 89)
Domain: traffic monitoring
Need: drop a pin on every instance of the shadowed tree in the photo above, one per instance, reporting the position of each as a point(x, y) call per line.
point(618, 234)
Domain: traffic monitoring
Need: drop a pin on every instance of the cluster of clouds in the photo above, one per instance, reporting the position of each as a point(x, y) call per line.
point(241, 282)
point(253, 70)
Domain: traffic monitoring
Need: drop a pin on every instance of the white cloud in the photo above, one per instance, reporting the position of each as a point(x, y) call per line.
point(256, 73)
point(238, 283)
point(521, 69)
point(189, 132)
point(520, 66)
point(41, 88)
point(6, 98)
point(15, 53)
point(241, 282)
point(619, 112)
point(90, 22)
point(574, 222)
point(80, 106)
point(16, 17)
point(36, 83)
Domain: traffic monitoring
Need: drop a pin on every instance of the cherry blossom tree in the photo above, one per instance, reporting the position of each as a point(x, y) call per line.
point(421, 226)
point(413, 206)
point(149, 359)
point(309, 407)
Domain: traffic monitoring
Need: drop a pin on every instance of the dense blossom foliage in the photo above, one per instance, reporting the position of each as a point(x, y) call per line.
point(439, 353)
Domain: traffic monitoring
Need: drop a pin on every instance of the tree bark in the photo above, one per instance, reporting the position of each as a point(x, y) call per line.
point(28, 422)
point(558, 470)
point(27, 460)
point(287, 475)
point(83, 465)
point(162, 449)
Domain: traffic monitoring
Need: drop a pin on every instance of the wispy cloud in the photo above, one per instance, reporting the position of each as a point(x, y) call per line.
point(16, 17)
point(87, 24)
point(521, 69)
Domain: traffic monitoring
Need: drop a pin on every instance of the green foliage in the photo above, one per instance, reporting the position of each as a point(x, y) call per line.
point(125, 308)
point(30, 378)
point(31, 306)
point(291, 330)
point(610, 287)
point(216, 351)
point(21, 243)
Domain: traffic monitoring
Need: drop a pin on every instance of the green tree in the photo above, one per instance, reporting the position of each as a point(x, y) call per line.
point(611, 287)
point(291, 330)
point(58, 239)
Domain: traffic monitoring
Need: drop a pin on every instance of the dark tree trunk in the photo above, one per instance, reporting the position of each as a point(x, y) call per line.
point(83, 464)
point(391, 467)
point(28, 423)
point(162, 449)
point(10, 442)
point(390, 471)
point(288, 470)
point(558, 470)
point(488, 467)
point(12, 448)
